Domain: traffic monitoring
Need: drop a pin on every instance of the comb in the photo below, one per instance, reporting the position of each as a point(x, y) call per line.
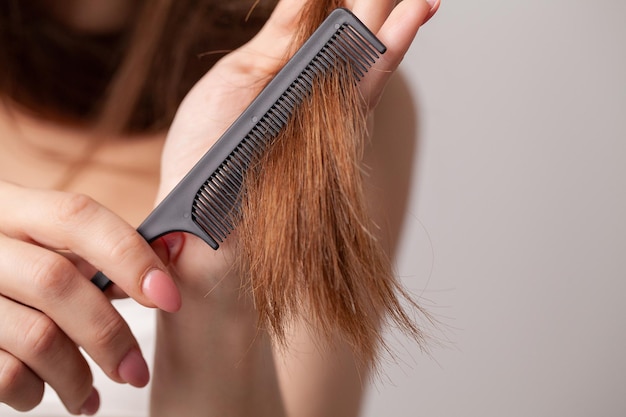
point(206, 200)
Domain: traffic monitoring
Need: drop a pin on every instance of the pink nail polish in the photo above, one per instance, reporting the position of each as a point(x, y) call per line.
point(133, 369)
point(161, 290)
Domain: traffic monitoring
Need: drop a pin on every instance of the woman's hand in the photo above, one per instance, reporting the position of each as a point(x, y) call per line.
point(226, 90)
point(212, 349)
point(51, 243)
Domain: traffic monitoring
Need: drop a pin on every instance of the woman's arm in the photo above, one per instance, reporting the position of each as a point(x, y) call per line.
point(211, 359)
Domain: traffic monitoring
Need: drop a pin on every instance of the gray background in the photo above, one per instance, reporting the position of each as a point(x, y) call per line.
point(515, 234)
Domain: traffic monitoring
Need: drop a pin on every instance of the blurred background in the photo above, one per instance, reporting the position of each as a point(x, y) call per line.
point(514, 236)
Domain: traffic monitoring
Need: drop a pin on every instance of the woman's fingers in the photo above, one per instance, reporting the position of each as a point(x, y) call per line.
point(264, 53)
point(397, 32)
point(49, 307)
point(395, 25)
point(283, 20)
point(20, 387)
point(50, 283)
point(76, 223)
point(372, 13)
point(39, 351)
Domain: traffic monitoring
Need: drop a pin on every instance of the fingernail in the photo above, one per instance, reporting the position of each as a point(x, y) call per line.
point(91, 405)
point(432, 3)
point(161, 290)
point(133, 369)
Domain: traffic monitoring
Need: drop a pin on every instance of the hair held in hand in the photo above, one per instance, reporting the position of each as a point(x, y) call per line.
point(306, 238)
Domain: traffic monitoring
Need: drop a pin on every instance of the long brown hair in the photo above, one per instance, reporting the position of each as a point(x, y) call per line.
point(306, 236)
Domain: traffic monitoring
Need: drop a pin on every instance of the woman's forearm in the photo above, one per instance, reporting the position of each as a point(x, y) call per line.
point(211, 360)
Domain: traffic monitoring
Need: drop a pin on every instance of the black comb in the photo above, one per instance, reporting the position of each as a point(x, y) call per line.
point(206, 200)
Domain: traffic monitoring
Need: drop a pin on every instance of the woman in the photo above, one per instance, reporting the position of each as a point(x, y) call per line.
point(210, 357)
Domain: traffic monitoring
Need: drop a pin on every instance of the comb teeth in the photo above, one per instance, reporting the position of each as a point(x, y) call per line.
point(349, 46)
point(217, 201)
point(216, 205)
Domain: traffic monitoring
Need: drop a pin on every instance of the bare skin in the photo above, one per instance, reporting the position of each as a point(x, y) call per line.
point(210, 358)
